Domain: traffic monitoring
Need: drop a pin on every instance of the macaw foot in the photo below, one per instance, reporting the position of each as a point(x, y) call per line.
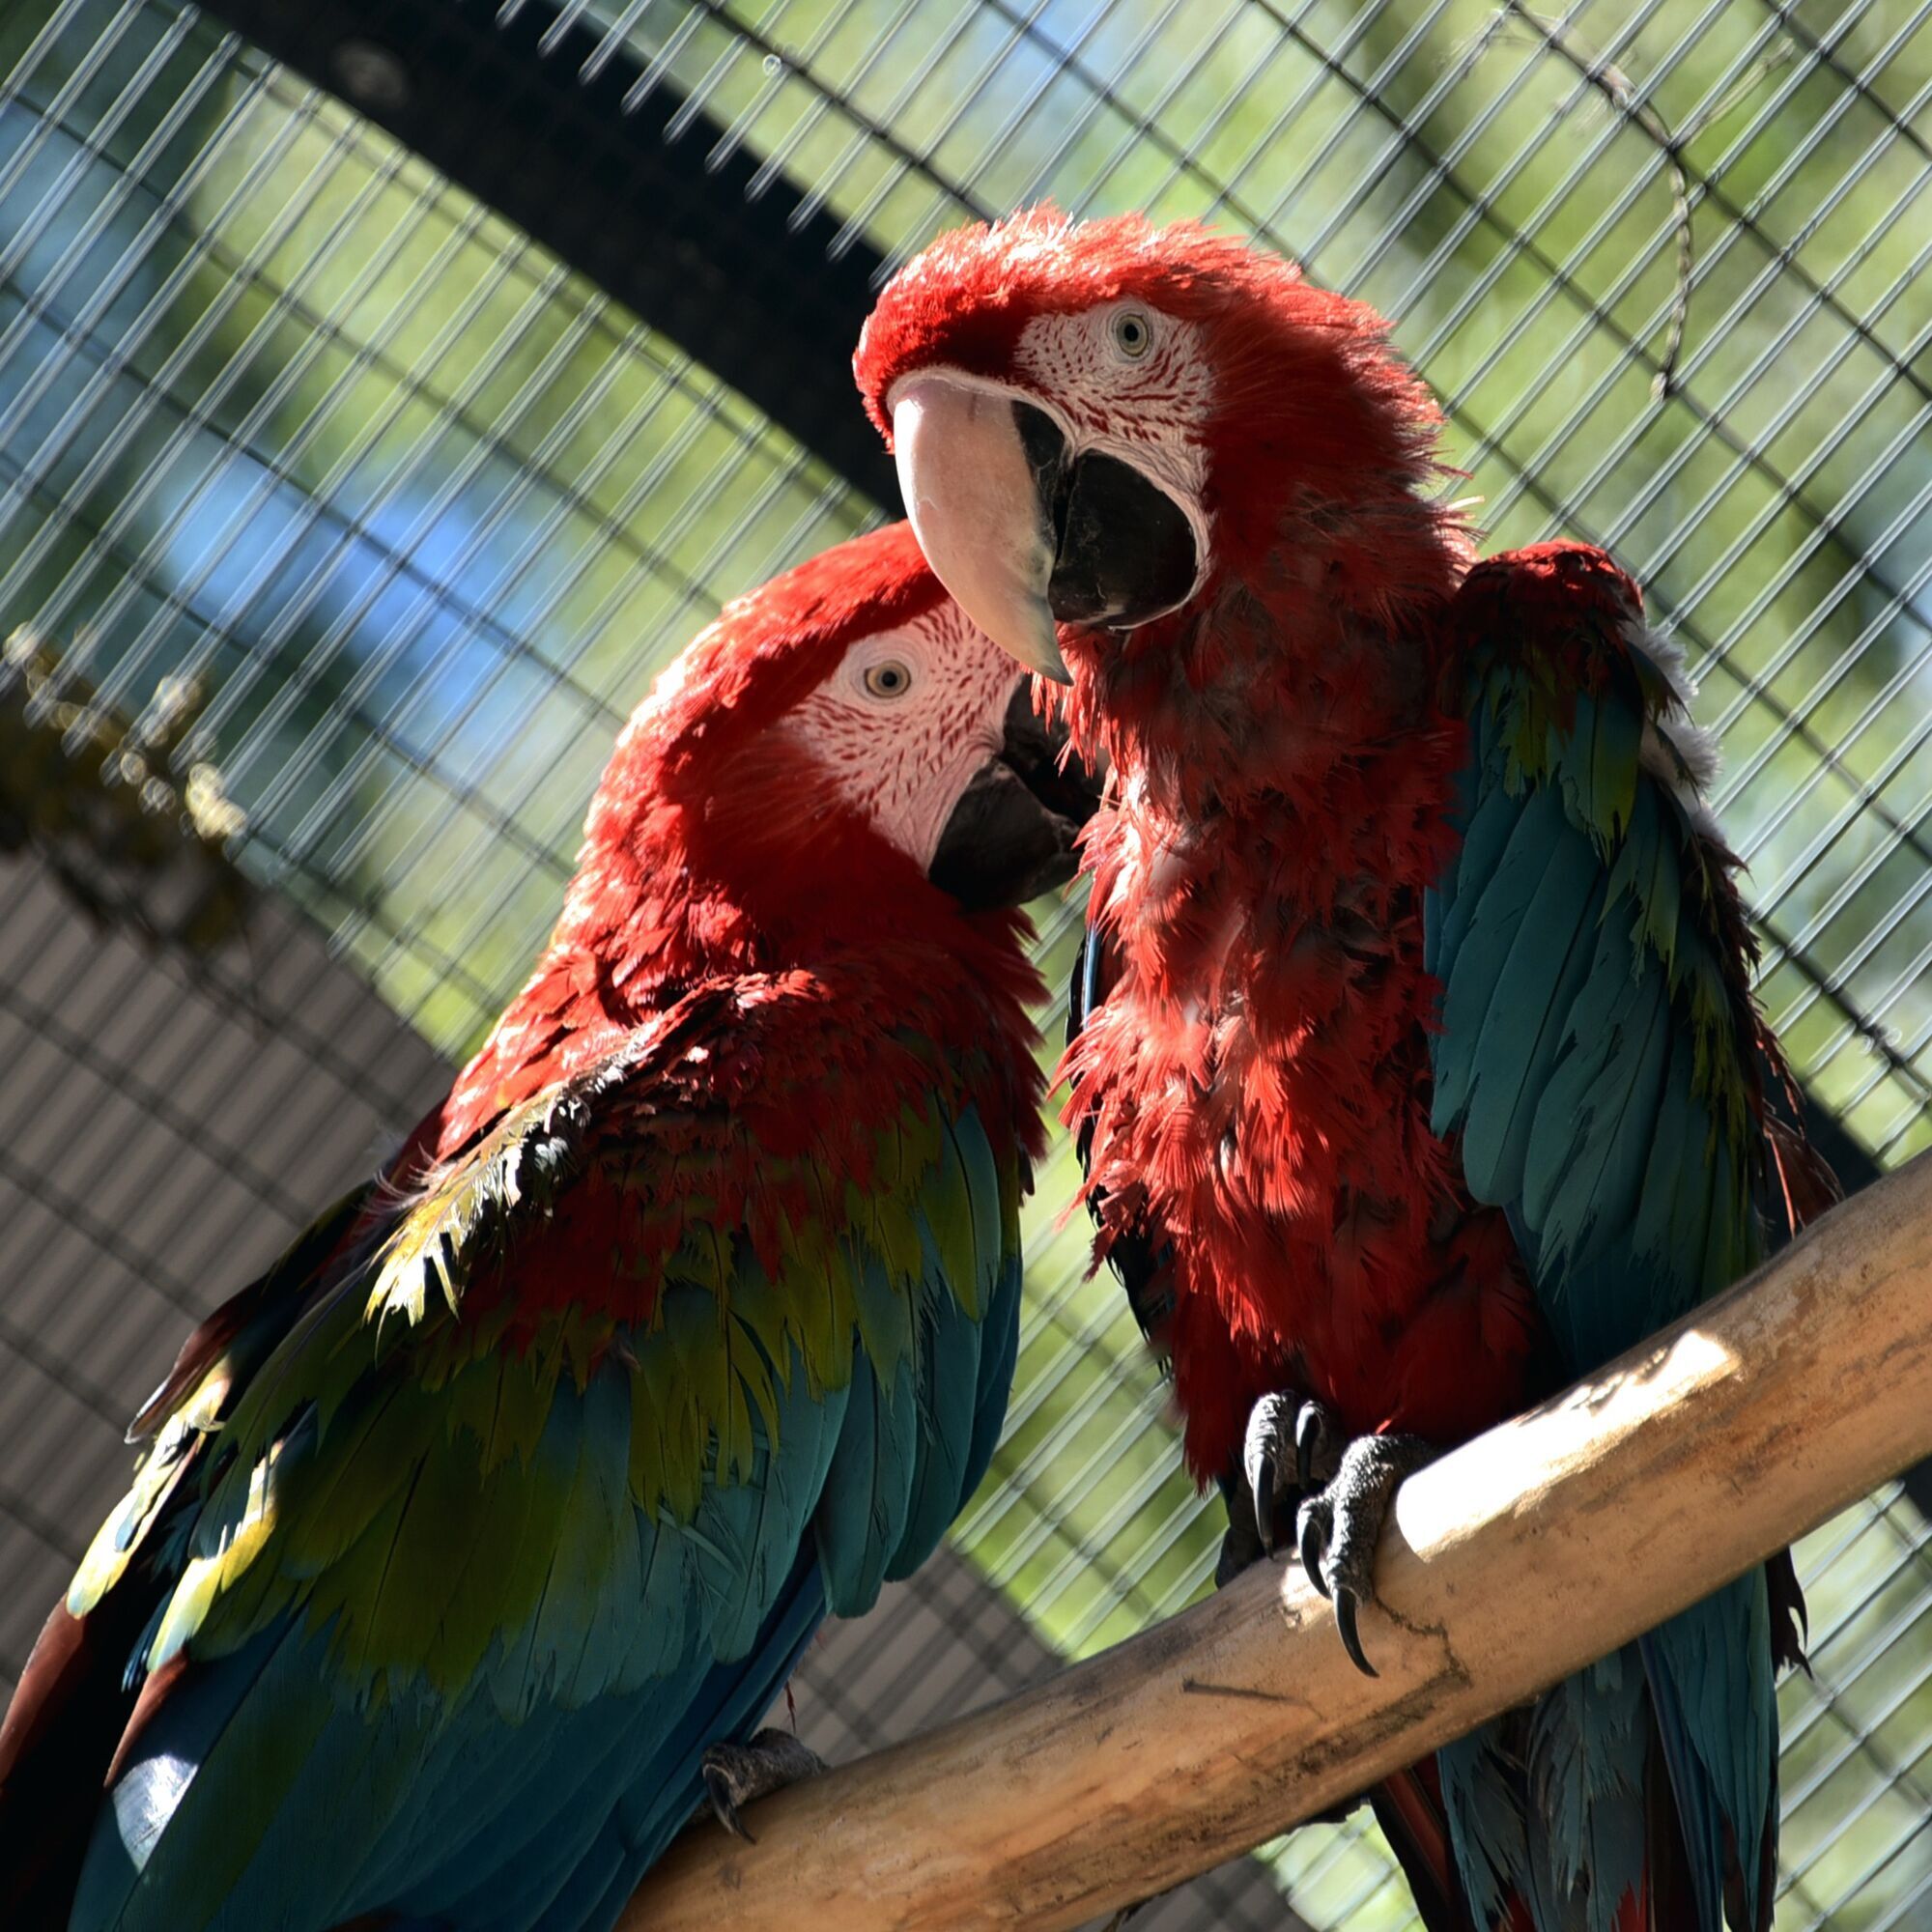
point(1338, 1528)
point(736, 1774)
point(1294, 1449)
point(1288, 1450)
point(1287, 1433)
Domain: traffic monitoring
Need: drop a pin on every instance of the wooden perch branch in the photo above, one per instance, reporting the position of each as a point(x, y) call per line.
point(1543, 1545)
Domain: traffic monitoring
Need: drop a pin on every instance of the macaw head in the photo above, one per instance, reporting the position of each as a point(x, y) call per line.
point(1099, 425)
point(836, 742)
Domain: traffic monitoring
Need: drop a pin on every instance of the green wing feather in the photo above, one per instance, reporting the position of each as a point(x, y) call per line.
point(1596, 1004)
point(1597, 1067)
point(460, 1500)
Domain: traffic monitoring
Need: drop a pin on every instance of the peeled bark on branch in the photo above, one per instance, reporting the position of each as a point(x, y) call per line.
point(1541, 1545)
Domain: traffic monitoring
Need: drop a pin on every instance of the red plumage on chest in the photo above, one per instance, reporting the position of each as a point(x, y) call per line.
point(1255, 1081)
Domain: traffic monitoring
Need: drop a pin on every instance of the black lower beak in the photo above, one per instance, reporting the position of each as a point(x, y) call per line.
point(1122, 549)
point(1011, 837)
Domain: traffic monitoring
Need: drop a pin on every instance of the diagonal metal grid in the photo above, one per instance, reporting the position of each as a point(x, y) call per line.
point(284, 410)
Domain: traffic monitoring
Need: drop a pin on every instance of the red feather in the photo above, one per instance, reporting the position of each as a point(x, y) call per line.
point(698, 870)
point(702, 893)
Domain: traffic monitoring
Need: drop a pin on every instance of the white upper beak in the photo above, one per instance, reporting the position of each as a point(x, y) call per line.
point(970, 494)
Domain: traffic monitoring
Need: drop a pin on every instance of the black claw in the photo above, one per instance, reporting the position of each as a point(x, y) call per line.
point(725, 1807)
point(1307, 1433)
point(1264, 1491)
point(1313, 1537)
point(1352, 1641)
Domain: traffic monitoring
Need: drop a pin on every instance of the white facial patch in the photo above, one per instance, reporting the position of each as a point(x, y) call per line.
point(1134, 385)
point(907, 719)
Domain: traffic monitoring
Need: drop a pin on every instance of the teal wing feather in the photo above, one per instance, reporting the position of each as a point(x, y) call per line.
point(453, 1600)
point(77, 1694)
point(1597, 1068)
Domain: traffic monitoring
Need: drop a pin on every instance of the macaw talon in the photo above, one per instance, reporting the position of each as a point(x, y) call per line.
point(734, 1774)
point(1352, 1641)
point(1313, 1434)
point(1313, 1526)
point(1284, 1430)
point(1265, 1452)
point(1339, 1528)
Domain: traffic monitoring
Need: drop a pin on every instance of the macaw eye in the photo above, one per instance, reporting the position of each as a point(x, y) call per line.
point(888, 678)
point(1133, 334)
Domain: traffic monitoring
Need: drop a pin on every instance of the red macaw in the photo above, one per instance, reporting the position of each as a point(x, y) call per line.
point(1415, 1060)
point(470, 1543)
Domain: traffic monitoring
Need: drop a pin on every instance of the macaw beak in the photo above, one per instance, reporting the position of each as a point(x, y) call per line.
point(1012, 835)
point(1027, 533)
point(969, 496)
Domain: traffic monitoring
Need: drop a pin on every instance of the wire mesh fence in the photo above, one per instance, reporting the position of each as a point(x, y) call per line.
point(417, 510)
